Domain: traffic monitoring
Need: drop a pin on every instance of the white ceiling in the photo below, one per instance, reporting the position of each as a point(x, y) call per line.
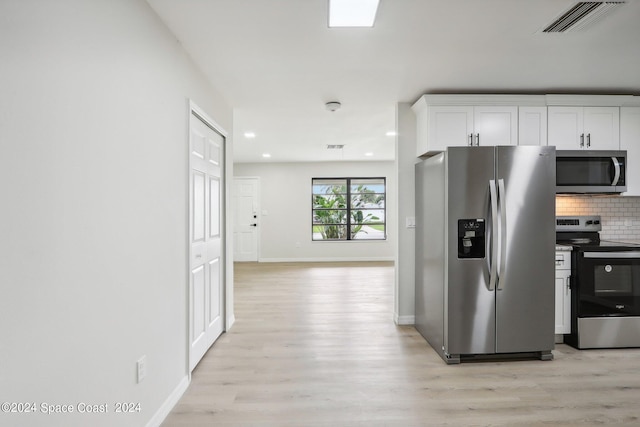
point(278, 63)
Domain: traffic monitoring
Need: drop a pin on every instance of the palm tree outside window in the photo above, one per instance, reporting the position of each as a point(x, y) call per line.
point(348, 209)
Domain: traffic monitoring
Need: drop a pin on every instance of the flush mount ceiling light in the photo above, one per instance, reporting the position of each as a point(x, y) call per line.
point(249, 135)
point(333, 106)
point(352, 13)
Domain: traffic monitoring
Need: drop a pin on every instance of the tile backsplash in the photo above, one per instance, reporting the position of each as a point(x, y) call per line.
point(620, 215)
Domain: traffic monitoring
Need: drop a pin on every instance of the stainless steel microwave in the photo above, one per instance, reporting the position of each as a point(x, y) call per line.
point(591, 171)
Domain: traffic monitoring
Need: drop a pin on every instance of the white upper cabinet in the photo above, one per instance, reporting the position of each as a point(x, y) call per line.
point(568, 122)
point(456, 126)
point(448, 126)
point(465, 120)
point(584, 128)
point(532, 125)
point(630, 141)
point(495, 125)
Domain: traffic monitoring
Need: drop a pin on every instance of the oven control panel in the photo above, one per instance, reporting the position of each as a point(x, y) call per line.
point(578, 223)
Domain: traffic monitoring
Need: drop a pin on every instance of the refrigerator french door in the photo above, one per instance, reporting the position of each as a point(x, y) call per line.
point(485, 251)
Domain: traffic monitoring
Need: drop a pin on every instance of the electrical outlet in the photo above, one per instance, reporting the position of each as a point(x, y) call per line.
point(142, 368)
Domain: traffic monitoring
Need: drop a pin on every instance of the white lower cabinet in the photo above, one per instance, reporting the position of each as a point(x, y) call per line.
point(563, 292)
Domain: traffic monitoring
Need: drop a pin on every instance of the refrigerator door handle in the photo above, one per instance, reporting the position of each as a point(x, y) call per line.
point(503, 232)
point(493, 258)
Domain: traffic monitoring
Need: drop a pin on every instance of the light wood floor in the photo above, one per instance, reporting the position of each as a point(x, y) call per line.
point(315, 345)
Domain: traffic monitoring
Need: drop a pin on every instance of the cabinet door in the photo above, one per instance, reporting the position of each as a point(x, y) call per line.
point(602, 128)
point(532, 125)
point(630, 141)
point(449, 127)
point(563, 302)
point(495, 125)
point(565, 126)
point(422, 122)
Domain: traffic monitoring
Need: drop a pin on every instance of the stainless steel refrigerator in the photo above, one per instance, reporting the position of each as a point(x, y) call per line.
point(485, 247)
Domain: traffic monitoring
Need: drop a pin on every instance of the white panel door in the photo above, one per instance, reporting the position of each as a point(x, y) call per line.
point(246, 214)
point(206, 284)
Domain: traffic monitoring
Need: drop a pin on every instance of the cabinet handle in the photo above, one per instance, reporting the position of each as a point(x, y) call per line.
point(470, 139)
point(568, 285)
point(582, 140)
point(588, 140)
point(477, 139)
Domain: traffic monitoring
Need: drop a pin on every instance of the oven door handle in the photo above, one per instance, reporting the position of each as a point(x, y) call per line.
point(616, 170)
point(625, 255)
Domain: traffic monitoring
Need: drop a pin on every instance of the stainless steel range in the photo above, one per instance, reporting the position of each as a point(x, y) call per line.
point(605, 286)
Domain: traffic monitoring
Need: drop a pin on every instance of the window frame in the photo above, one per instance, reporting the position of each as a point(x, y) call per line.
point(348, 209)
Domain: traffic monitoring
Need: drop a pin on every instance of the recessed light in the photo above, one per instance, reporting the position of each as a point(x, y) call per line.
point(249, 135)
point(391, 133)
point(266, 155)
point(368, 154)
point(352, 13)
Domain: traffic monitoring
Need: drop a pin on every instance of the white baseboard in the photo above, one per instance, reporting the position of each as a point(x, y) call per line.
point(168, 404)
point(337, 259)
point(230, 321)
point(404, 320)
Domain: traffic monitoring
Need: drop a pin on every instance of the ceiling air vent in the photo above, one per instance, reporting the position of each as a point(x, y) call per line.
point(581, 15)
point(335, 146)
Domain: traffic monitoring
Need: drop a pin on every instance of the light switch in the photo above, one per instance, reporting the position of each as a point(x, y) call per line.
point(411, 222)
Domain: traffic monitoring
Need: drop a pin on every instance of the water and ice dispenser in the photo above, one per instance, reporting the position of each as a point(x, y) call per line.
point(471, 238)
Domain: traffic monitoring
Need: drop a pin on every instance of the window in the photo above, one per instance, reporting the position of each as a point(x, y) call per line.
point(348, 209)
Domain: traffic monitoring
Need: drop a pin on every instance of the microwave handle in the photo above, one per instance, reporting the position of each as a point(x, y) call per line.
point(616, 169)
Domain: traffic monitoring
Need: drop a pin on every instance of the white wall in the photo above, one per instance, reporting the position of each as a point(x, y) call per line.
point(404, 308)
point(93, 223)
point(285, 193)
